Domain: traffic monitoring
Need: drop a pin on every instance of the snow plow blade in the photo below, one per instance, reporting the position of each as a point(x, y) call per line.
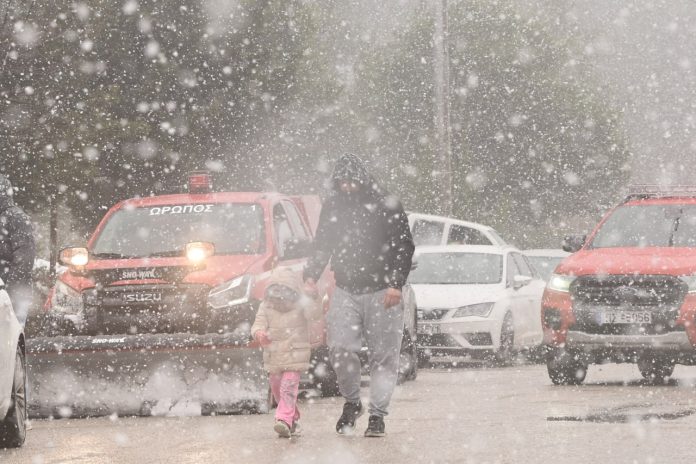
point(149, 374)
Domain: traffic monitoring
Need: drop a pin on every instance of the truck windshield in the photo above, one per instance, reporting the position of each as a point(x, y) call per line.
point(165, 230)
point(648, 226)
point(457, 268)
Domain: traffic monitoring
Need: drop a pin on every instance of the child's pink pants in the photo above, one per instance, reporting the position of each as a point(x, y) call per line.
point(284, 386)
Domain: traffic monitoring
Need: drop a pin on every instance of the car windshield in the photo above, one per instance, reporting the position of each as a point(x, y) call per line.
point(544, 264)
point(458, 268)
point(648, 226)
point(165, 230)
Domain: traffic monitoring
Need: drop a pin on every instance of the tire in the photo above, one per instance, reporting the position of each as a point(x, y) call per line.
point(423, 359)
point(565, 368)
point(13, 429)
point(505, 354)
point(322, 373)
point(408, 360)
point(654, 369)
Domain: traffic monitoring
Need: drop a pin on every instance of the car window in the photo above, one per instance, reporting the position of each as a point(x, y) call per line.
point(283, 231)
point(162, 230)
point(648, 226)
point(295, 220)
point(461, 235)
point(512, 270)
point(522, 265)
point(544, 265)
point(427, 232)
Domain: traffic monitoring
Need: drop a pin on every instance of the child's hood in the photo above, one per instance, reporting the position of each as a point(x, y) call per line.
point(287, 277)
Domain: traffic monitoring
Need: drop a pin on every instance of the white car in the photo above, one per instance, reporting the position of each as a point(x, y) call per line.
point(481, 301)
point(545, 261)
point(428, 229)
point(13, 401)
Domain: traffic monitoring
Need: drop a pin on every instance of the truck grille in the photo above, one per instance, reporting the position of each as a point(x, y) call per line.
point(163, 308)
point(659, 295)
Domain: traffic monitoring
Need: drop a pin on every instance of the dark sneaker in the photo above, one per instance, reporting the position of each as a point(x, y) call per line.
point(351, 411)
point(282, 429)
point(375, 427)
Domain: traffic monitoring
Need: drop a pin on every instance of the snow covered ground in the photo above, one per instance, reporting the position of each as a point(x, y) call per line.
point(457, 415)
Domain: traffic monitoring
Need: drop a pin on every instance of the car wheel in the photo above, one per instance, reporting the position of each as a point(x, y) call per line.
point(423, 359)
point(13, 429)
point(322, 373)
point(565, 368)
point(655, 369)
point(505, 354)
point(408, 360)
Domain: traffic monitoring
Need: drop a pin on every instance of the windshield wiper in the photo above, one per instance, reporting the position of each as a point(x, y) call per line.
point(677, 221)
point(111, 255)
point(165, 254)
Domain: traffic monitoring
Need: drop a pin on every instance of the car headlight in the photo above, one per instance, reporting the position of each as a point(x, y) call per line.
point(560, 282)
point(690, 281)
point(234, 292)
point(481, 310)
point(66, 299)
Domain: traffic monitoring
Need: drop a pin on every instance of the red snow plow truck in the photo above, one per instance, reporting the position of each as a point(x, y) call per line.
point(154, 313)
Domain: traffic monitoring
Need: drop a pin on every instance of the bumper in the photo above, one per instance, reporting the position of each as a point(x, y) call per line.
point(669, 342)
point(95, 321)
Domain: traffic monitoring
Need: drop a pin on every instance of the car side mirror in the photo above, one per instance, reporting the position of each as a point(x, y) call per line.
point(520, 281)
point(297, 248)
point(573, 243)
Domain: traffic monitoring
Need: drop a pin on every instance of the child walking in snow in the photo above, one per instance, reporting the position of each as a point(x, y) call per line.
point(281, 327)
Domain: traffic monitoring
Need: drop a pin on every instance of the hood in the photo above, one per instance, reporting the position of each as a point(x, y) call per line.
point(454, 296)
point(6, 193)
point(660, 261)
point(350, 167)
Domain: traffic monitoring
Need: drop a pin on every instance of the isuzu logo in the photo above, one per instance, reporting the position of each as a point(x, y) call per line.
point(142, 297)
point(138, 274)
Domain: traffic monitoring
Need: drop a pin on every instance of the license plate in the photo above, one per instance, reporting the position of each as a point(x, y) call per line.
point(624, 317)
point(428, 329)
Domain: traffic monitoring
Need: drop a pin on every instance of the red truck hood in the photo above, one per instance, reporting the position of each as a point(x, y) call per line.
point(218, 269)
point(665, 261)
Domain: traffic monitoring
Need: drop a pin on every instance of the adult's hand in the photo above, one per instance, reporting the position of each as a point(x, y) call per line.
point(310, 288)
point(392, 297)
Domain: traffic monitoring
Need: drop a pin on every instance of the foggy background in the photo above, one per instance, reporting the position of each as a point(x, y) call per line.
point(556, 106)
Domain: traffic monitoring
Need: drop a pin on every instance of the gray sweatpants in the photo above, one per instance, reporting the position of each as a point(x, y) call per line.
point(351, 318)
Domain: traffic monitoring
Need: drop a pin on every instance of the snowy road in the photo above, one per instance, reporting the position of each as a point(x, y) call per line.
point(476, 415)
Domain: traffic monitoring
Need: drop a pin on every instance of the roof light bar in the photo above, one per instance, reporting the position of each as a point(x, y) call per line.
point(200, 182)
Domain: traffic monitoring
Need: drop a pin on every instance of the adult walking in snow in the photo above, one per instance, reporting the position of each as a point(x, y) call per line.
point(363, 231)
point(17, 251)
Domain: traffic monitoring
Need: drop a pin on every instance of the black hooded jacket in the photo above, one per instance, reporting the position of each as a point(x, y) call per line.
point(17, 247)
point(364, 234)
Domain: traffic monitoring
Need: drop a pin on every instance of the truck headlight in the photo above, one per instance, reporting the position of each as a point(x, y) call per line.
point(234, 292)
point(690, 281)
point(560, 282)
point(66, 300)
point(481, 310)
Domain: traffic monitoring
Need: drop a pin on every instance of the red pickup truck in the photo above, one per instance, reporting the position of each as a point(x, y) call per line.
point(628, 293)
point(167, 285)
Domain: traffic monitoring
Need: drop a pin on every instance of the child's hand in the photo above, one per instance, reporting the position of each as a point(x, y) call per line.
point(262, 338)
